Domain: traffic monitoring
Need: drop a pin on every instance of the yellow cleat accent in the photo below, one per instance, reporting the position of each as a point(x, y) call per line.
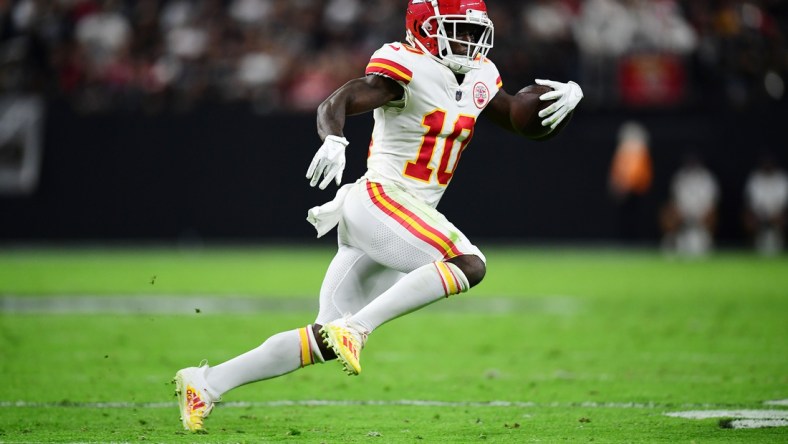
point(193, 399)
point(346, 342)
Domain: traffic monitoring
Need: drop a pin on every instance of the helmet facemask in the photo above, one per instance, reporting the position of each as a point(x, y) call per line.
point(473, 34)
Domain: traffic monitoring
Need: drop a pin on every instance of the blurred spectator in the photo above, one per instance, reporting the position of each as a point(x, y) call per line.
point(23, 81)
point(642, 37)
point(154, 54)
point(259, 69)
point(689, 218)
point(547, 40)
point(103, 35)
point(250, 12)
point(630, 178)
point(742, 53)
point(314, 80)
point(548, 20)
point(766, 198)
point(21, 140)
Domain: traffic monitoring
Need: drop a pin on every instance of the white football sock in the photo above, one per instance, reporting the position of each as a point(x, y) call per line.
point(415, 290)
point(280, 354)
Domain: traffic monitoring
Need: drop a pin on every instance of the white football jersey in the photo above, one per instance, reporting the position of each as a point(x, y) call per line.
point(767, 193)
point(417, 141)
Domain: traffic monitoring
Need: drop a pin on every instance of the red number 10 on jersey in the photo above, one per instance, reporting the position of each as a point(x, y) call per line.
point(420, 167)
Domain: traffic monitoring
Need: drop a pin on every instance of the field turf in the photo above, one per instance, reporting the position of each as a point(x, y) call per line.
point(556, 345)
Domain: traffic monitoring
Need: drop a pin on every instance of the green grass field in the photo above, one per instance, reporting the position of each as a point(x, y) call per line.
point(554, 346)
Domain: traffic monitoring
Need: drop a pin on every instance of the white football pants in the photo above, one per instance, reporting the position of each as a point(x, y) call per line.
point(384, 233)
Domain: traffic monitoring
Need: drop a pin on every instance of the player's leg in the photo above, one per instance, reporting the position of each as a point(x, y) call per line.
point(280, 354)
point(415, 238)
point(351, 281)
point(198, 388)
point(398, 231)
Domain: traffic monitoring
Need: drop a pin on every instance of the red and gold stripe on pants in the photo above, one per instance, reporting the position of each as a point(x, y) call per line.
point(412, 222)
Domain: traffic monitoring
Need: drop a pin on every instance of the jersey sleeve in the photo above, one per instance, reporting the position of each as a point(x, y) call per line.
point(390, 61)
point(492, 72)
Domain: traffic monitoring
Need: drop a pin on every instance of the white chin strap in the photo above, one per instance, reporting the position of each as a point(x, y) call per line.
point(457, 63)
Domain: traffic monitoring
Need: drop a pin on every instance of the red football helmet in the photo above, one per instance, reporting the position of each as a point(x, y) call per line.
point(434, 25)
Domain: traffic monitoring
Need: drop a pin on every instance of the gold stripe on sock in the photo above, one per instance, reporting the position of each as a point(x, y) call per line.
point(448, 279)
point(306, 350)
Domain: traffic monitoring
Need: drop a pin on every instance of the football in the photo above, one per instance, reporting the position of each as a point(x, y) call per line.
point(524, 113)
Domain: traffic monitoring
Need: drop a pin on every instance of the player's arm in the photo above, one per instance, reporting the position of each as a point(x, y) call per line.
point(354, 97)
point(357, 96)
point(499, 111)
point(566, 96)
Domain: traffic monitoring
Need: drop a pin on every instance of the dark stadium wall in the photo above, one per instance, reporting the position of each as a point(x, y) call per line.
point(227, 174)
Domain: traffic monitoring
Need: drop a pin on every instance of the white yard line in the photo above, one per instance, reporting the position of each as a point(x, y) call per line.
point(150, 304)
point(740, 419)
point(394, 402)
point(744, 414)
point(186, 304)
point(757, 423)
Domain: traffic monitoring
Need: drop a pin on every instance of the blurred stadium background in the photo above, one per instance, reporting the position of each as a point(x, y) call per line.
point(193, 120)
point(169, 123)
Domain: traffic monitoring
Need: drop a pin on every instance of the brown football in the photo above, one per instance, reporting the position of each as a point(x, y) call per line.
point(524, 113)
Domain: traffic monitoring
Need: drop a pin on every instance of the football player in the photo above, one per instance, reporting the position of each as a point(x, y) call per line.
point(397, 252)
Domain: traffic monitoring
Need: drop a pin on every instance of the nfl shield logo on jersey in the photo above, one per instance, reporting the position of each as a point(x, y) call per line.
point(480, 94)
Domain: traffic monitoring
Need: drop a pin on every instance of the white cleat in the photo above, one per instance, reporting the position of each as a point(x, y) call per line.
point(347, 341)
point(194, 400)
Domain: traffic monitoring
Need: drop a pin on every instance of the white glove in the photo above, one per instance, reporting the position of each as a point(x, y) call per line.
point(567, 97)
point(329, 162)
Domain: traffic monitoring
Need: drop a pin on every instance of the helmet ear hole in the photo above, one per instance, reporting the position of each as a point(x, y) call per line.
point(419, 29)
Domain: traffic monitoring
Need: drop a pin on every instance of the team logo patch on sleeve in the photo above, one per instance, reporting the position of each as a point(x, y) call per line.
point(481, 95)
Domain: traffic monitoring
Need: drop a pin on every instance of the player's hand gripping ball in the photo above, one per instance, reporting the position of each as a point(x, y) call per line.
point(524, 112)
